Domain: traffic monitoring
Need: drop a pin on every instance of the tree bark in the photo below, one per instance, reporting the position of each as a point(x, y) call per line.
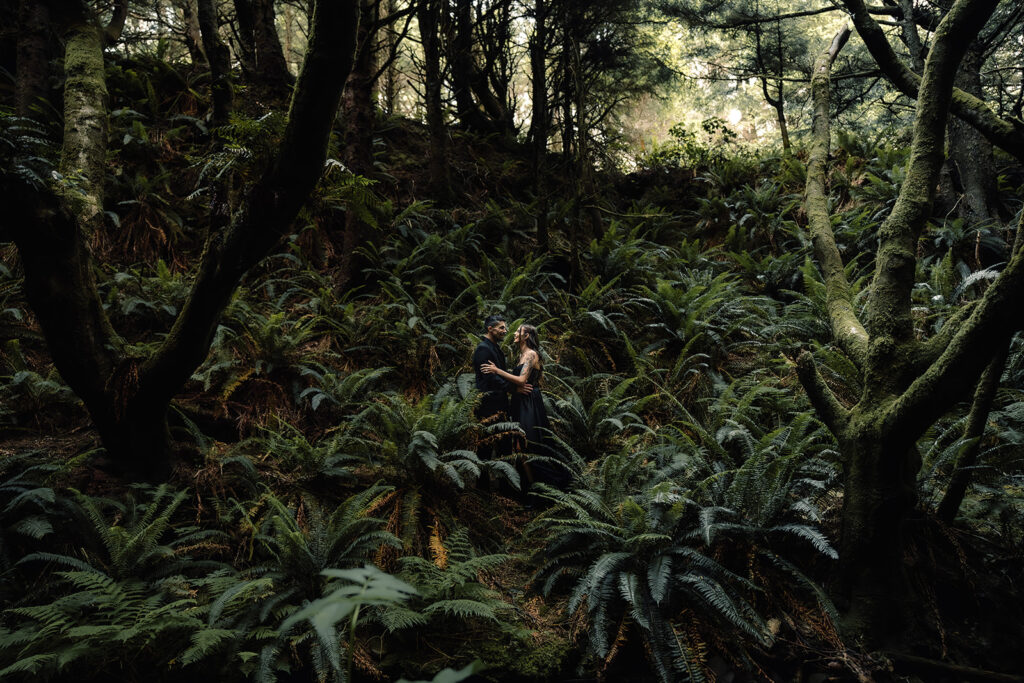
point(428, 18)
point(33, 58)
point(193, 34)
point(971, 153)
point(358, 108)
point(271, 66)
point(246, 32)
point(219, 60)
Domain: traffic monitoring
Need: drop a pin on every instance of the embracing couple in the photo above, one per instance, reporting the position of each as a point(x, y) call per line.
point(495, 383)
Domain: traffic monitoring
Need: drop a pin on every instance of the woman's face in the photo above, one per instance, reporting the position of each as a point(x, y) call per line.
point(518, 335)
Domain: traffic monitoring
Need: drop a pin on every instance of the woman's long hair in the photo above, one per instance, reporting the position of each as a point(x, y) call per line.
point(529, 334)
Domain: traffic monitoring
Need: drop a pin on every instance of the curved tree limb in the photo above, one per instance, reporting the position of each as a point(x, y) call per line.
point(977, 418)
point(846, 327)
point(888, 308)
point(998, 130)
point(826, 405)
point(977, 341)
point(113, 30)
point(270, 205)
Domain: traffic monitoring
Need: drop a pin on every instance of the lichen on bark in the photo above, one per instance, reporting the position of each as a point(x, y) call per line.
point(83, 154)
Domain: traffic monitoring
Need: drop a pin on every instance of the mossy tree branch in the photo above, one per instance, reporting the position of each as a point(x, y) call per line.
point(977, 418)
point(888, 308)
point(826, 405)
point(270, 205)
point(979, 339)
point(1000, 131)
point(846, 327)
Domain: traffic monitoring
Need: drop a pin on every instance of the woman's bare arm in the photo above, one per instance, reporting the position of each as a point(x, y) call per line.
point(518, 380)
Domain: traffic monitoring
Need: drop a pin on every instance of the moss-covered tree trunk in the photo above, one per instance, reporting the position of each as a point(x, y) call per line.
point(126, 395)
point(908, 384)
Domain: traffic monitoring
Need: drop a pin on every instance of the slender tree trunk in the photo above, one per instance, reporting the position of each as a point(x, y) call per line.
point(437, 161)
point(358, 108)
point(780, 115)
point(971, 153)
point(220, 61)
point(391, 84)
point(33, 65)
point(778, 103)
point(587, 192)
point(539, 117)
point(193, 34)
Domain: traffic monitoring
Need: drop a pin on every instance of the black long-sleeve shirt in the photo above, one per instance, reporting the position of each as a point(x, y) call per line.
point(493, 388)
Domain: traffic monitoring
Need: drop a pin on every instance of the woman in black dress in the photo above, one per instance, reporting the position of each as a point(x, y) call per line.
point(528, 409)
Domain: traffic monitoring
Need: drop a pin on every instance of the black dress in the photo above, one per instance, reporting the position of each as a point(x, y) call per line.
point(528, 410)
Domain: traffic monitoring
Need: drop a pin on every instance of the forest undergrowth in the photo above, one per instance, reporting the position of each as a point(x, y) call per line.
point(328, 517)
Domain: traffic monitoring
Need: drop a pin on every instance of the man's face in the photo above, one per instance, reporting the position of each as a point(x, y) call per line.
point(498, 330)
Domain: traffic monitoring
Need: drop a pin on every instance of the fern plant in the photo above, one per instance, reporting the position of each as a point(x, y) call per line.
point(291, 549)
point(705, 307)
point(134, 538)
point(631, 569)
point(125, 603)
point(99, 624)
point(597, 414)
point(448, 586)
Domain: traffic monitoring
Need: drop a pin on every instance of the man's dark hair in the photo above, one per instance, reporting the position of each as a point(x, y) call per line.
point(493, 320)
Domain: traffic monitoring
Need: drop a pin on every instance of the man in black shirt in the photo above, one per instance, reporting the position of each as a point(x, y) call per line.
point(493, 389)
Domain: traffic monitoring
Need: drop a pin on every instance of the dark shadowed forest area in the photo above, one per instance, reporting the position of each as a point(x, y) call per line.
point(511, 340)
